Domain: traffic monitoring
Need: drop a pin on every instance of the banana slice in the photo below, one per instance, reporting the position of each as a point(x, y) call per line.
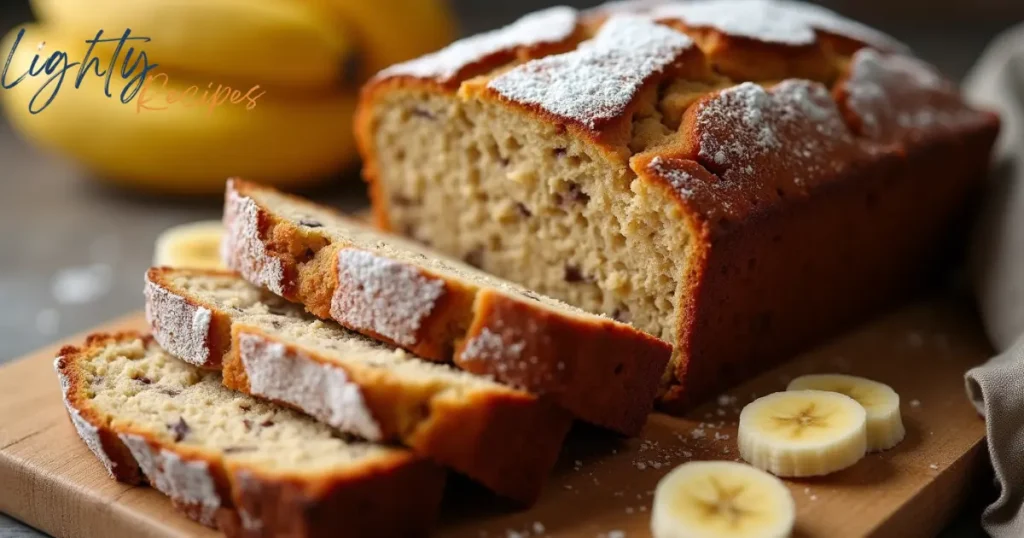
point(719, 499)
point(194, 246)
point(803, 432)
point(882, 404)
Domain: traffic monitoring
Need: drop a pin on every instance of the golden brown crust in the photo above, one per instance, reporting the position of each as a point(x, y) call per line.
point(767, 288)
point(363, 501)
point(600, 371)
point(508, 443)
point(621, 406)
point(398, 498)
point(115, 455)
point(506, 439)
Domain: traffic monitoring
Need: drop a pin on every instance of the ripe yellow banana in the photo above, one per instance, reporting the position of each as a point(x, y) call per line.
point(180, 149)
point(195, 246)
point(283, 43)
point(882, 404)
point(721, 499)
point(392, 31)
point(803, 432)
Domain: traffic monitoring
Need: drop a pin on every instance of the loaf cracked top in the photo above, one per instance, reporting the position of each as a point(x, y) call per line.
point(738, 106)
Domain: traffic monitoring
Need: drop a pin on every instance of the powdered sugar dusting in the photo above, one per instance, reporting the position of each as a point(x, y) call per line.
point(384, 296)
point(895, 94)
point(489, 345)
point(681, 180)
point(243, 250)
point(187, 482)
point(771, 21)
point(548, 26)
point(763, 20)
point(755, 146)
point(180, 327)
point(322, 391)
point(597, 81)
point(90, 434)
point(796, 124)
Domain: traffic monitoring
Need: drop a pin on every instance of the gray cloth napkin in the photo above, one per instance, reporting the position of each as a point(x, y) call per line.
point(997, 388)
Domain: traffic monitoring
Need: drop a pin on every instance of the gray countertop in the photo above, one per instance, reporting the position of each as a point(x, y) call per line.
point(72, 253)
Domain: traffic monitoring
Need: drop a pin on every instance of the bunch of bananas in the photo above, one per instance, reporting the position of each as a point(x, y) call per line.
point(298, 63)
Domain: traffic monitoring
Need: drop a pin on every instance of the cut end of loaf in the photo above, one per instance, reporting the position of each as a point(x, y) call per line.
point(623, 197)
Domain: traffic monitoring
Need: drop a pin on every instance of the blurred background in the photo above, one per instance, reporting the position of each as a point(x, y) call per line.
point(79, 233)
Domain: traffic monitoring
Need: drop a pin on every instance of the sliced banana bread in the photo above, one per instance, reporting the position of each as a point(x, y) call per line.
point(736, 177)
point(505, 438)
point(227, 460)
point(601, 370)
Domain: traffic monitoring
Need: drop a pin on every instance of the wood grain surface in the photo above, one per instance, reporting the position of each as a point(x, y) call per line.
point(603, 484)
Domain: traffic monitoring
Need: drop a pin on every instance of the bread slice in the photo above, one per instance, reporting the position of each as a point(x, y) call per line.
point(602, 371)
point(505, 438)
point(228, 460)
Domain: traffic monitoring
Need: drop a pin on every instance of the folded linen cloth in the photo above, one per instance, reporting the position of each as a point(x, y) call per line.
point(997, 387)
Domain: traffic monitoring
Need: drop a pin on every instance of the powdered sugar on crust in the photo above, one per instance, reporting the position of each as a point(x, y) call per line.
point(682, 181)
point(770, 21)
point(90, 434)
point(250, 488)
point(189, 483)
point(598, 80)
point(489, 345)
point(243, 250)
point(180, 327)
point(320, 390)
point(384, 296)
point(795, 125)
point(757, 147)
point(549, 26)
point(894, 95)
point(762, 20)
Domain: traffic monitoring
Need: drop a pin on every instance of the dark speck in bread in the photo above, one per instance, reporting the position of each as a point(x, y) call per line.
point(180, 429)
point(420, 112)
point(574, 193)
point(621, 315)
point(573, 274)
point(475, 257)
point(402, 200)
point(311, 223)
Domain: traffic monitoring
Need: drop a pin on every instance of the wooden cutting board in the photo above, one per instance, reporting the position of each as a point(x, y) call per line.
point(49, 479)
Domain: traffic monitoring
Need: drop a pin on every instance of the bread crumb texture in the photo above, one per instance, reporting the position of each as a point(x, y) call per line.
point(142, 388)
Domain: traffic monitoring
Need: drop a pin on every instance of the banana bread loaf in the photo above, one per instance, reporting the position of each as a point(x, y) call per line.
point(505, 438)
point(602, 371)
point(737, 177)
point(227, 460)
